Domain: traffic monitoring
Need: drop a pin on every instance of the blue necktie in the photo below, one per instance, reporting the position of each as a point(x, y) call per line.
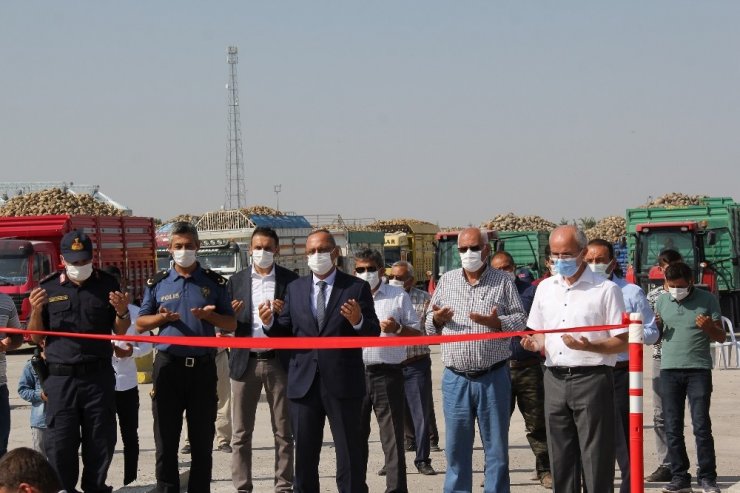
point(321, 304)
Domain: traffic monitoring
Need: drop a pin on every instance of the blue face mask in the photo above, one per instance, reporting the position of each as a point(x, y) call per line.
point(566, 267)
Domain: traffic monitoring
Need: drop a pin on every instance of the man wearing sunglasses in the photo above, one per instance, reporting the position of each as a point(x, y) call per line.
point(579, 383)
point(476, 299)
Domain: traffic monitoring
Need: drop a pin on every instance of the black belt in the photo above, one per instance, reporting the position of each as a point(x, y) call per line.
point(264, 355)
point(414, 359)
point(576, 370)
point(621, 364)
point(384, 367)
point(79, 369)
point(478, 373)
point(187, 361)
point(524, 363)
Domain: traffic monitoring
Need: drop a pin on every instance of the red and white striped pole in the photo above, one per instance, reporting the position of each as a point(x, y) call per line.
point(637, 466)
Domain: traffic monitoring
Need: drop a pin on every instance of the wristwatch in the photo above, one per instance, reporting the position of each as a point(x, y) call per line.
point(125, 316)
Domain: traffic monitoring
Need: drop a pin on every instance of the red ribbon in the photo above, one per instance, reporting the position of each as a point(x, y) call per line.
point(308, 342)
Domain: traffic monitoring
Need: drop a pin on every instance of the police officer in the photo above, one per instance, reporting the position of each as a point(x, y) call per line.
point(81, 383)
point(183, 301)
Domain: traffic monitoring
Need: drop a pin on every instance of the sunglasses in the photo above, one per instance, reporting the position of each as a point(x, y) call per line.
point(475, 248)
point(362, 270)
point(396, 278)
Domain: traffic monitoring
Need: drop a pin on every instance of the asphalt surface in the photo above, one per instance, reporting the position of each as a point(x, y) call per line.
point(725, 420)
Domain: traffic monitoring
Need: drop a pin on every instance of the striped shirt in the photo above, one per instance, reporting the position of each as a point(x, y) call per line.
point(420, 300)
point(494, 289)
point(8, 318)
point(391, 301)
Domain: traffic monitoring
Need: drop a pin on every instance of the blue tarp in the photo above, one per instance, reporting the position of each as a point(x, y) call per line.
point(280, 222)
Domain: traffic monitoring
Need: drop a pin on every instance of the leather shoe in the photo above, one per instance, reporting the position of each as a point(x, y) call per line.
point(382, 471)
point(426, 469)
point(411, 447)
point(224, 448)
point(661, 475)
point(434, 448)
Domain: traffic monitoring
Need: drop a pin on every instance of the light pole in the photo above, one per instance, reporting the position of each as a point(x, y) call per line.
point(278, 189)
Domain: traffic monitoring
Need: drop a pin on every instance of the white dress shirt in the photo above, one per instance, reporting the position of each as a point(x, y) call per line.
point(125, 368)
point(591, 300)
point(263, 289)
point(391, 301)
point(329, 280)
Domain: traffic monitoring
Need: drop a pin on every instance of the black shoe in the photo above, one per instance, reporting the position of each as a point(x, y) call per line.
point(661, 474)
point(678, 486)
point(410, 447)
point(426, 469)
point(185, 449)
point(434, 447)
point(224, 448)
point(382, 471)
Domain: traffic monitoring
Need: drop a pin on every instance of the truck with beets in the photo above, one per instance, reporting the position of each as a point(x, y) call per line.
point(29, 251)
point(708, 238)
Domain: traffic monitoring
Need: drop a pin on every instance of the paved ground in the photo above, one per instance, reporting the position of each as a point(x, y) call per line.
point(725, 416)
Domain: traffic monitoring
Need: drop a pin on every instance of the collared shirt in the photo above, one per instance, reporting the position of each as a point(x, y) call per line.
point(591, 300)
point(181, 294)
point(80, 308)
point(685, 345)
point(391, 301)
point(493, 289)
point(8, 318)
point(125, 368)
point(635, 301)
point(420, 299)
point(652, 297)
point(263, 289)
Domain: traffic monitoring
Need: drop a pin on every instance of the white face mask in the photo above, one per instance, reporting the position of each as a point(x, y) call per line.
point(396, 282)
point(79, 273)
point(262, 258)
point(184, 258)
point(372, 278)
point(679, 293)
point(471, 261)
point(320, 263)
point(600, 269)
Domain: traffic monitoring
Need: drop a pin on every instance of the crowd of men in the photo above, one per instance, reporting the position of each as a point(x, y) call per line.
point(570, 388)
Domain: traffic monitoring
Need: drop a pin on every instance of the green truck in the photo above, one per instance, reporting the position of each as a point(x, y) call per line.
point(708, 238)
point(527, 248)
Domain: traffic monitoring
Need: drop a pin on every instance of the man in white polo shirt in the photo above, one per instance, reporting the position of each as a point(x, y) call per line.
point(384, 371)
point(579, 385)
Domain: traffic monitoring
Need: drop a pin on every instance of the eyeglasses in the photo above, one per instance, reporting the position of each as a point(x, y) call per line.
point(362, 270)
point(475, 248)
point(397, 278)
point(562, 256)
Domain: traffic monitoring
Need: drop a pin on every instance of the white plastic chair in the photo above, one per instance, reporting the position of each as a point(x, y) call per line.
point(724, 349)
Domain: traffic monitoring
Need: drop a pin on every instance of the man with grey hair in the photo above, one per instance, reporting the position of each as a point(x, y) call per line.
point(579, 383)
point(417, 375)
point(383, 370)
point(476, 299)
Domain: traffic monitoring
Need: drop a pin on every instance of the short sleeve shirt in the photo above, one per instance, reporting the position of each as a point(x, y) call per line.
point(83, 308)
point(181, 294)
point(685, 345)
point(591, 300)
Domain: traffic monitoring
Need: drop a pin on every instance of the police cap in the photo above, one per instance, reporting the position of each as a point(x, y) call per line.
point(76, 246)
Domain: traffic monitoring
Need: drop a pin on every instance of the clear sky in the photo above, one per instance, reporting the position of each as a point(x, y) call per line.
point(449, 111)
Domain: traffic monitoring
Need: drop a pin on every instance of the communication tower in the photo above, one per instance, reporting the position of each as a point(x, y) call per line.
point(236, 190)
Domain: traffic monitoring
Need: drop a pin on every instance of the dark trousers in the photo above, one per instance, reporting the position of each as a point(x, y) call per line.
point(409, 428)
point(579, 413)
point(308, 415)
point(81, 411)
point(528, 392)
point(385, 396)
point(4, 419)
point(192, 390)
point(127, 409)
point(417, 383)
point(622, 425)
point(696, 385)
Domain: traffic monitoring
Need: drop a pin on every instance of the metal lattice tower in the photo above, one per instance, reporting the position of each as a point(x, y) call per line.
point(236, 189)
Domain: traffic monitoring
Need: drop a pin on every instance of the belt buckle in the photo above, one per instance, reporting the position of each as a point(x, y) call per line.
point(190, 362)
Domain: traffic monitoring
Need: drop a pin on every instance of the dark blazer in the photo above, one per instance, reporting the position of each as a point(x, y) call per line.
point(342, 370)
point(240, 288)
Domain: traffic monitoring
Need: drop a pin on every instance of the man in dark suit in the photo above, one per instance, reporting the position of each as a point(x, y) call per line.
point(327, 382)
point(250, 370)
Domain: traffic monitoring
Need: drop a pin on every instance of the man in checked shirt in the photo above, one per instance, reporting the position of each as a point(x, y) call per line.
point(475, 384)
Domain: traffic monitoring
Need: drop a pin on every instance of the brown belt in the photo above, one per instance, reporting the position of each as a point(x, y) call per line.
point(526, 363)
point(621, 364)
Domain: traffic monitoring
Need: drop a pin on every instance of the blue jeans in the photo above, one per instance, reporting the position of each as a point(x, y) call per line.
point(676, 386)
point(4, 419)
point(486, 398)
